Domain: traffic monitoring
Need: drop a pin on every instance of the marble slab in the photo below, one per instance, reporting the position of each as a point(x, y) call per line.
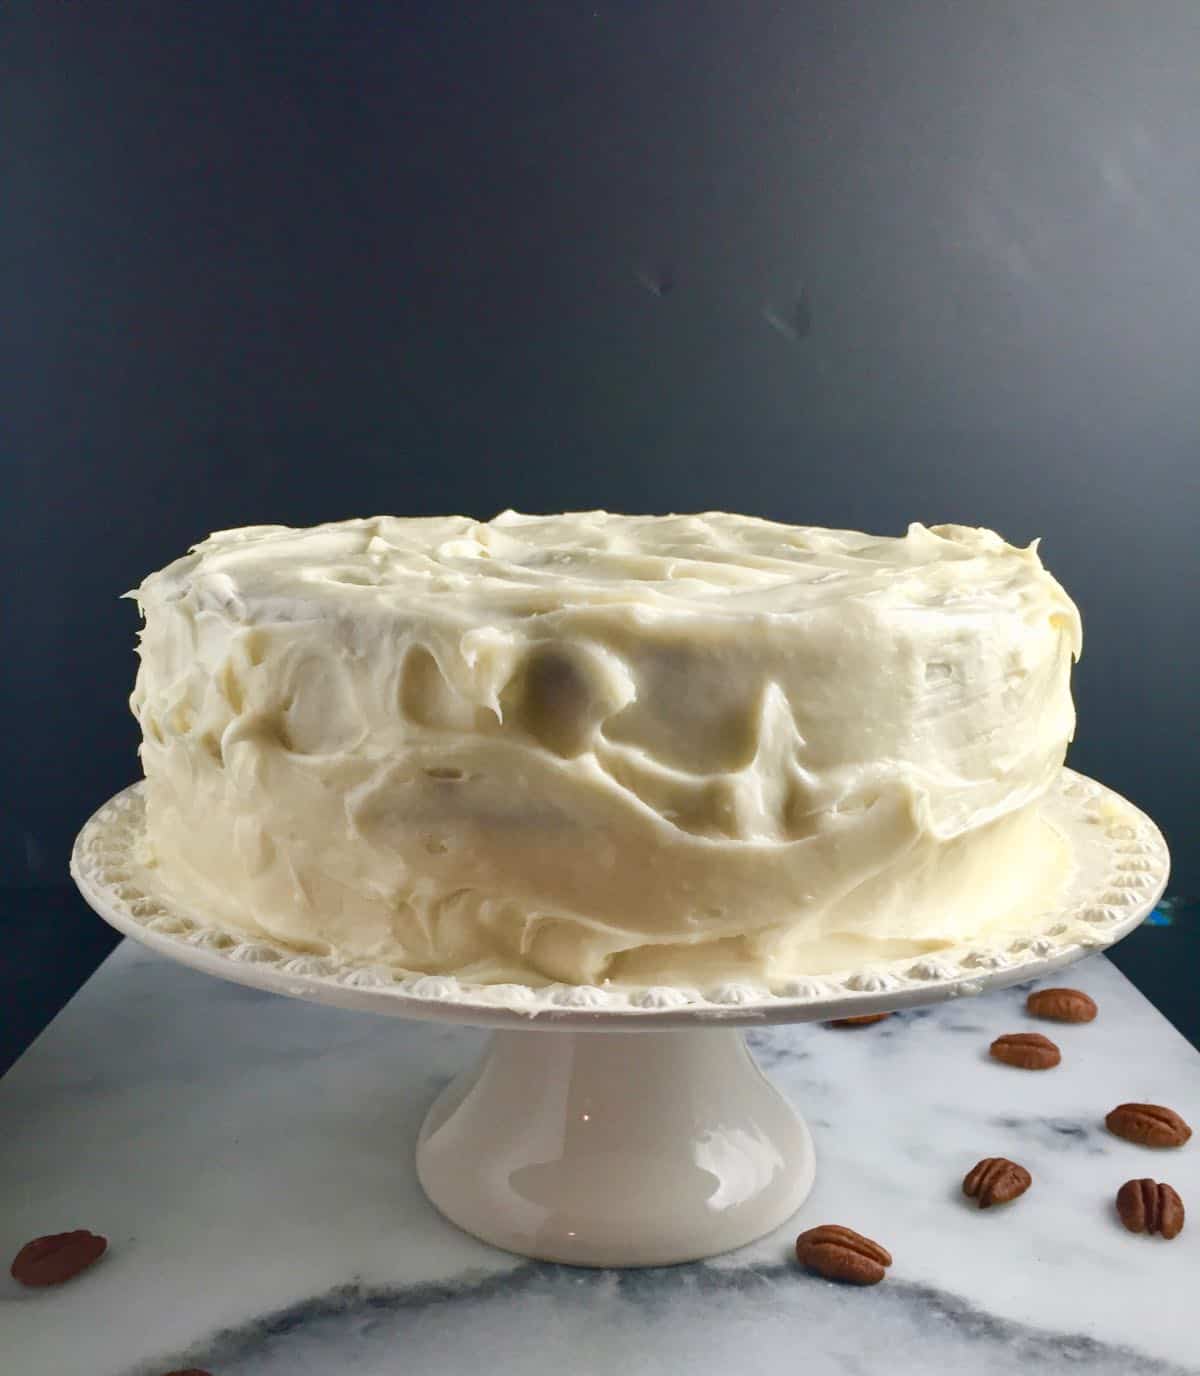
point(250, 1159)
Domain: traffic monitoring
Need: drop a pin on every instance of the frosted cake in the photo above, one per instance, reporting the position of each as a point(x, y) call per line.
point(593, 747)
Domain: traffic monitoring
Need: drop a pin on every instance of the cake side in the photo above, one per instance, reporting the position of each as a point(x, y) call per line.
point(588, 746)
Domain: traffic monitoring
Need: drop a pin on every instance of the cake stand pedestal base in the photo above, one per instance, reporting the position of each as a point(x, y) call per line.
point(606, 1149)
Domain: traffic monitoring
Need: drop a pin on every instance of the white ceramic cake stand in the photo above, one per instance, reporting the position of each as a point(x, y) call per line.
point(667, 1146)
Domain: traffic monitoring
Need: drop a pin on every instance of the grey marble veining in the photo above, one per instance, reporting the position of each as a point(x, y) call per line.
point(250, 1159)
point(543, 1317)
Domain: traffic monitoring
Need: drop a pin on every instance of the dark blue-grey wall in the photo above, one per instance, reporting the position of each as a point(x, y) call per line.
point(847, 264)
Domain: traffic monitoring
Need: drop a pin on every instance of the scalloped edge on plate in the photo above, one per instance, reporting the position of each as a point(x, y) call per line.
point(1121, 868)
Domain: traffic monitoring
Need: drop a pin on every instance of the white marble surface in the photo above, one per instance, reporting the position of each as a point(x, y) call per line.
point(250, 1159)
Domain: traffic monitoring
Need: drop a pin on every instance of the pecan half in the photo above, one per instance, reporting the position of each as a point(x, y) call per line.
point(56, 1258)
point(1149, 1125)
point(1061, 1005)
point(996, 1180)
point(1148, 1207)
point(863, 1020)
point(1026, 1050)
point(842, 1254)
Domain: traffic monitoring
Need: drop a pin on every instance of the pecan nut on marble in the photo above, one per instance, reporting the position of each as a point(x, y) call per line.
point(56, 1258)
point(996, 1180)
point(862, 1020)
point(842, 1254)
point(1061, 1005)
point(1149, 1125)
point(1145, 1206)
point(1026, 1050)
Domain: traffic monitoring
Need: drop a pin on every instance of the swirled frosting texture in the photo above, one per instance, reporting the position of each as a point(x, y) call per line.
point(588, 746)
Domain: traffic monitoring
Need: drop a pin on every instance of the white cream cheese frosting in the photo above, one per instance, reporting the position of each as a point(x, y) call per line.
point(587, 747)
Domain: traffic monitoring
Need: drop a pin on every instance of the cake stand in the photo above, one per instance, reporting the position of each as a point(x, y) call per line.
point(572, 1143)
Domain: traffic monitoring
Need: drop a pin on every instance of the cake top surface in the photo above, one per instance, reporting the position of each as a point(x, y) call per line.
point(520, 565)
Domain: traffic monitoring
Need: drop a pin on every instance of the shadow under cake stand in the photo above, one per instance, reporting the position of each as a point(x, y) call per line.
point(597, 1149)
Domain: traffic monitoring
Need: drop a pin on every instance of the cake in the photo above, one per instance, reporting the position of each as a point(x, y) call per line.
point(592, 747)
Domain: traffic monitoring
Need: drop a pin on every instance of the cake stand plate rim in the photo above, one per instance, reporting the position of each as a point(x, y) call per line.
point(1122, 865)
